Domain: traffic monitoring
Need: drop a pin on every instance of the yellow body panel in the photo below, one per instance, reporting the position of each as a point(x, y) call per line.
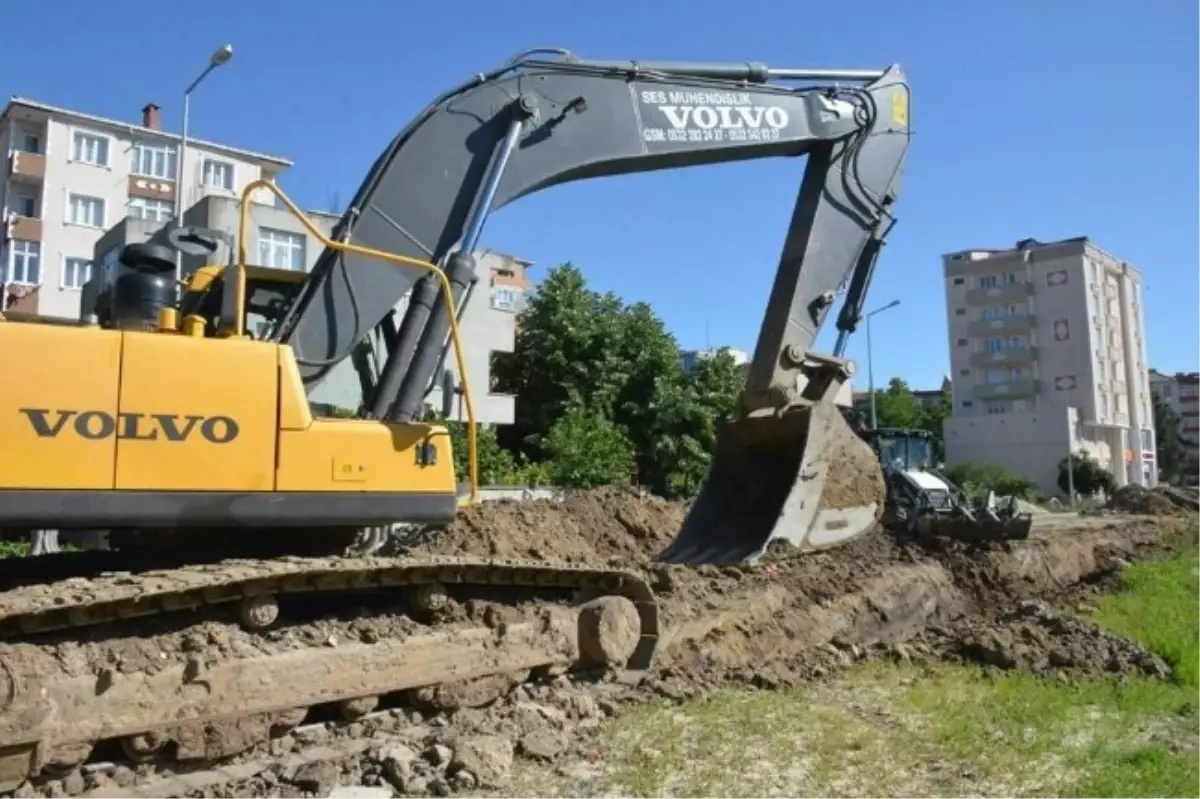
point(205, 414)
point(58, 374)
point(361, 455)
point(140, 411)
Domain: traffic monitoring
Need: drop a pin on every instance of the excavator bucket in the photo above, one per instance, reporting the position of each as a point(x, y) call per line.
point(803, 477)
point(981, 528)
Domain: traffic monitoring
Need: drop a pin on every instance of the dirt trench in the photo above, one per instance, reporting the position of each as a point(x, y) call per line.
point(785, 621)
point(792, 616)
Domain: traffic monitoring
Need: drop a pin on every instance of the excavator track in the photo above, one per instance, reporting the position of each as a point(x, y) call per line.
point(127, 658)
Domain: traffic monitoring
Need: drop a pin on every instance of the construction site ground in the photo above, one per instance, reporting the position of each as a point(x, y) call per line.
point(1065, 664)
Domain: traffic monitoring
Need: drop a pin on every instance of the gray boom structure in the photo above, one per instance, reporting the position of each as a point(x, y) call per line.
point(546, 117)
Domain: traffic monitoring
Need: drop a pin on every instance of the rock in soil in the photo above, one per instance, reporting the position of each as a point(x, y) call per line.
point(487, 758)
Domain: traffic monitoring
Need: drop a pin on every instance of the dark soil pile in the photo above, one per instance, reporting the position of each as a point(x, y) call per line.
point(1140, 500)
point(1036, 639)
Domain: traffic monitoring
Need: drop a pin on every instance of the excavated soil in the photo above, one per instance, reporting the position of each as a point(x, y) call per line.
point(1159, 501)
point(791, 618)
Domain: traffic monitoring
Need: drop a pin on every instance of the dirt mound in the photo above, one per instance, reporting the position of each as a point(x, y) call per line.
point(606, 526)
point(1182, 497)
point(778, 621)
point(1034, 638)
point(1137, 499)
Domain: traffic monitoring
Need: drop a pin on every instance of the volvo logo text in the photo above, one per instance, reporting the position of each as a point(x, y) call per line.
point(94, 425)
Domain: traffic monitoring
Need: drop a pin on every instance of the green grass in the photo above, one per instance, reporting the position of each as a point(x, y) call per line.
point(889, 730)
point(1134, 737)
point(1158, 606)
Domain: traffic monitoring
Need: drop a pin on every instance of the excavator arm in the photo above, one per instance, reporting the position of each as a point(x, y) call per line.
point(537, 122)
point(546, 118)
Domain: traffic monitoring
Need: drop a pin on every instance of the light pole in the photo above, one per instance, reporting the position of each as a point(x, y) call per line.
point(220, 56)
point(870, 365)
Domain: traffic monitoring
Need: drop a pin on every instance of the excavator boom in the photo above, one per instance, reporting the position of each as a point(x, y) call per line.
point(539, 121)
point(787, 466)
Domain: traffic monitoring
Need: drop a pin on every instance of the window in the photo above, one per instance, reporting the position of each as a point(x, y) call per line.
point(994, 408)
point(994, 345)
point(1001, 311)
point(988, 282)
point(155, 210)
point(280, 249)
point(995, 376)
point(1103, 405)
point(1010, 278)
point(1147, 440)
point(960, 311)
point(1168, 390)
point(76, 272)
point(1100, 371)
point(108, 264)
point(154, 160)
point(25, 262)
point(218, 173)
point(504, 298)
point(967, 403)
point(27, 141)
point(86, 211)
point(25, 205)
point(88, 148)
point(962, 342)
point(958, 281)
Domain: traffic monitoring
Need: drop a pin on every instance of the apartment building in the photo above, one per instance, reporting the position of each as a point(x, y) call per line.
point(1181, 392)
point(689, 358)
point(1048, 355)
point(68, 176)
point(488, 323)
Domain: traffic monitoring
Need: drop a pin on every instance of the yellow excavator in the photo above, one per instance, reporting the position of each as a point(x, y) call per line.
point(230, 497)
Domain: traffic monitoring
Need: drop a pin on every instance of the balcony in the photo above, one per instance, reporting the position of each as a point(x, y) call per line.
point(1004, 325)
point(1014, 389)
point(1011, 356)
point(25, 228)
point(28, 167)
point(1018, 291)
point(149, 188)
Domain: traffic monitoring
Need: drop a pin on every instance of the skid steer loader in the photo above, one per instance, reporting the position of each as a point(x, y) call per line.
point(189, 431)
point(923, 501)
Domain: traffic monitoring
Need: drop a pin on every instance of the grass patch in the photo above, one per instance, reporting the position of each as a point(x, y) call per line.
point(1159, 605)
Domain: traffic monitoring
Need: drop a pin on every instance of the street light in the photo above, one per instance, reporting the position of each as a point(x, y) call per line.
point(219, 57)
point(870, 366)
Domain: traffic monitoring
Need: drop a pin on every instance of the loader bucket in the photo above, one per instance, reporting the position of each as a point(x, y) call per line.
point(981, 528)
point(804, 477)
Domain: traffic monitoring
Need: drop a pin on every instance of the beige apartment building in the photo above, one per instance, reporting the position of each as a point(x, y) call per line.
point(69, 176)
point(1048, 355)
point(1181, 392)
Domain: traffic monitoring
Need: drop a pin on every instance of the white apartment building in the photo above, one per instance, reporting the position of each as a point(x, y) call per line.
point(68, 176)
point(1048, 355)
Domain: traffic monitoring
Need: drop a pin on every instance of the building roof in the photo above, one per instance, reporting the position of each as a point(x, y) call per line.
point(122, 126)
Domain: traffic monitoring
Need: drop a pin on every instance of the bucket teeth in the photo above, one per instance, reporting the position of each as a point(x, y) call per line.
point(803, 477)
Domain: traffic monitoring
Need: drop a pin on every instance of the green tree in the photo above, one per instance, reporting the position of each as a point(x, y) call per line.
point(896, 406)
point(933, 420)
point(1171, 452)
point(585, 449)
point(497, 466)
point(575, 346)
point(692, 407)
point(1089, 476)
point(976, 478)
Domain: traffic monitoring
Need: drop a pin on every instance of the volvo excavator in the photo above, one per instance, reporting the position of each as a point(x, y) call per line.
point(230, 498)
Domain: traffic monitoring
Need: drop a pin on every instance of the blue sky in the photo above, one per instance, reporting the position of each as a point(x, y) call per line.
point(1043, 119)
